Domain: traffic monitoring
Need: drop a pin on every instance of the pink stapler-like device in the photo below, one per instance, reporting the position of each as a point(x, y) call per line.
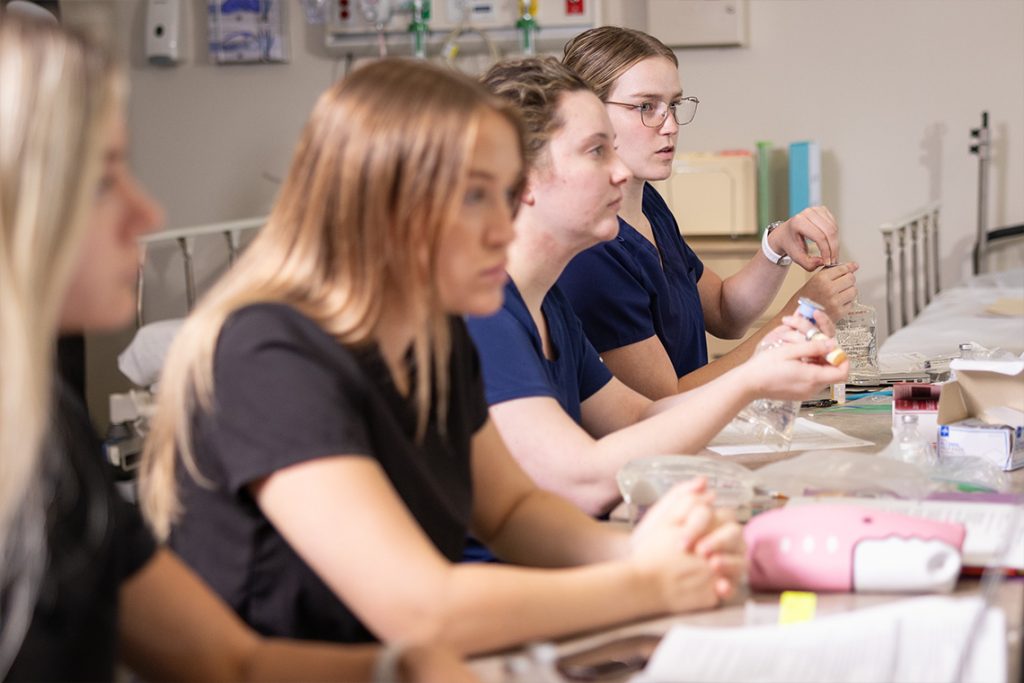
point(842, 548)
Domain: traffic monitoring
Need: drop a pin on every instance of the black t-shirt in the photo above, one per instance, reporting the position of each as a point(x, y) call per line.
point(286, 392)
point(95, 541)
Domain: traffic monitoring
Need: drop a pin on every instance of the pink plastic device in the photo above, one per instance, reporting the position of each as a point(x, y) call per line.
point(841, 548)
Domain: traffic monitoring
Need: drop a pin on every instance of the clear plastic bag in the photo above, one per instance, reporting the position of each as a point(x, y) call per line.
point(843, 473)
point(974, 351)
point(644, 480)
point(968, 473)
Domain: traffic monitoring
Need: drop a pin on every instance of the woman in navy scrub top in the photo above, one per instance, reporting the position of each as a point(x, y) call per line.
point(644, 298)
point(568, 421)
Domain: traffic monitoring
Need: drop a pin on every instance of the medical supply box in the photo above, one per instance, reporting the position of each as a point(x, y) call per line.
point(920, 399)
point(981, 412)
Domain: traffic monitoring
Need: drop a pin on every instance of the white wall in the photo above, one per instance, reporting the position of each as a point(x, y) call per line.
point(889, 89)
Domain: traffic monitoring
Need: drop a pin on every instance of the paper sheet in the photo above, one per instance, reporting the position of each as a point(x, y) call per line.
point(807, 436)
point(1007, 307)
point(917, 640)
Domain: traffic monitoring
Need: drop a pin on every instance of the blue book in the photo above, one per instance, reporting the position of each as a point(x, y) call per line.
point(804, 176)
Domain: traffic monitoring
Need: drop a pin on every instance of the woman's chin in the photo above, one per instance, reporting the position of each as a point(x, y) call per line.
point(479, 306)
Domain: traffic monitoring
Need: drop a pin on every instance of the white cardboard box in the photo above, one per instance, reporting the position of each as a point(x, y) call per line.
point(979, 386)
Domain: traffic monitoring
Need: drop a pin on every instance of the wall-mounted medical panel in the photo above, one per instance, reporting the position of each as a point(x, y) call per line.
point(364, 27)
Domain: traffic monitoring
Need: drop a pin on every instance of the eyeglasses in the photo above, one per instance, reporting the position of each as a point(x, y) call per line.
point(653, 114)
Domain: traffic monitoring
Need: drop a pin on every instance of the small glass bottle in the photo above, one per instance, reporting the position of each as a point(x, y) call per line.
point(908, 445)
point(771, 420)
point(856, 333)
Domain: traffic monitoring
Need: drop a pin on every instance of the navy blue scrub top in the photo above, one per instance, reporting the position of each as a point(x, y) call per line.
point(624, 292)
point(514, 366)
point(512, 355)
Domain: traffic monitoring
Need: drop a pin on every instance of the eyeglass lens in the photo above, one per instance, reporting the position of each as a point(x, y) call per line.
point(684, 110)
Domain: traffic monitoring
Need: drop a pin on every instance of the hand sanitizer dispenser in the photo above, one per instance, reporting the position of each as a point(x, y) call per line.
point(163, 32)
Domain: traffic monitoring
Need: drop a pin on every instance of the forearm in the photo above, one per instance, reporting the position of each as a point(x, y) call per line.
point(280, 660)
point(538, 525)
point(683, 423)
point(736, 356)
point(172, 627)
point(746, 295)
point(493, 607)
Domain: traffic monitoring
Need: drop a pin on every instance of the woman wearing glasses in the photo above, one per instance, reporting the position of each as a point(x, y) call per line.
point(568, 421)
point(645, 299)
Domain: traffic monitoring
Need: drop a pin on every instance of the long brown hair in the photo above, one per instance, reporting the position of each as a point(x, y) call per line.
point(602, 54)
point(376, 177)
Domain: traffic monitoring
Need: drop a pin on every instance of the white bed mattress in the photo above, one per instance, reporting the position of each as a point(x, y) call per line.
point(958, 315)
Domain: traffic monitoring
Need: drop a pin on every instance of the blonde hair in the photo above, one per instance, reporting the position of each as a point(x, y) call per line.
point(58, 93)
point(534, 86)
point(376, 177)
point(602, 54)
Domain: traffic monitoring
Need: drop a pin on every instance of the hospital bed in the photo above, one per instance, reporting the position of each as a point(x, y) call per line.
point(929, 321)
point(179, 265)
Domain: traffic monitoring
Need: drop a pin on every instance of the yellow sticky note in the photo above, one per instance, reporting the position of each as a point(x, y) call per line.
point(797, 606)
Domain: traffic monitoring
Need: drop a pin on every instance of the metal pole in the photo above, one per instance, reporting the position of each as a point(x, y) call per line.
point(981, 148)
point(890, 284)
point(935, 250)
point(190, 279)
point(914, 267)
point(903, 275)
point(926, 257)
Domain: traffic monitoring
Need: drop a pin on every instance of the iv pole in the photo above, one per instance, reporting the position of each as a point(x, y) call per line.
point(981, 148)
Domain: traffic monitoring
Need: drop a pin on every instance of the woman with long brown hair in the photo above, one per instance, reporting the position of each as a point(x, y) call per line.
point(322, 444)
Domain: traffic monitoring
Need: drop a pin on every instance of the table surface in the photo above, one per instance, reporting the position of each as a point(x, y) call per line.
point(868, 425)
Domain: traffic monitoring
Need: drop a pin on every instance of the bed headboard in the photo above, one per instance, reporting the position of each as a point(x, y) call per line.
point(186, 239)
point(911, 264)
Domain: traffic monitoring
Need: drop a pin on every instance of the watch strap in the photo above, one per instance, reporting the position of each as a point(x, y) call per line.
point(769, 253)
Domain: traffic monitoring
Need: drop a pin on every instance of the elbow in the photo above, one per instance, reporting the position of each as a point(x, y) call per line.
point(595, 498)
point(415, 624)
point(729, 329)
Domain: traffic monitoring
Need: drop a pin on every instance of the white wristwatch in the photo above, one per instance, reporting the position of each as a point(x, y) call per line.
point(769, 253)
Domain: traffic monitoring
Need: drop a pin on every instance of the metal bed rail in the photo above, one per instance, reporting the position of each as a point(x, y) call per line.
point(914, 237)
point(186, 239)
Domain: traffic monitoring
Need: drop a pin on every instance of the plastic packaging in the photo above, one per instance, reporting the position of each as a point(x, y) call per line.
point(970, 474)
point(644, 480)
point(856, 333)
point(771, 420)
point(843, 473)
point(975, 351)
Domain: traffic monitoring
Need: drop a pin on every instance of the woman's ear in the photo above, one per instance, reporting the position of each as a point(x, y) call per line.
point(526, 196)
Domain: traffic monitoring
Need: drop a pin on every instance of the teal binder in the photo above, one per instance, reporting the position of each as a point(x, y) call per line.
point(804, 176)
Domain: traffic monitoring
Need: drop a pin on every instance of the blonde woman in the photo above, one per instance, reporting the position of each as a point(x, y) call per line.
point(322, 444)
point(82, 582)
point(644, 297)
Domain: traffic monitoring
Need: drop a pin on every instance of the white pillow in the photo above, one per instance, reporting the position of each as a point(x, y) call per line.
point(143, 359)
